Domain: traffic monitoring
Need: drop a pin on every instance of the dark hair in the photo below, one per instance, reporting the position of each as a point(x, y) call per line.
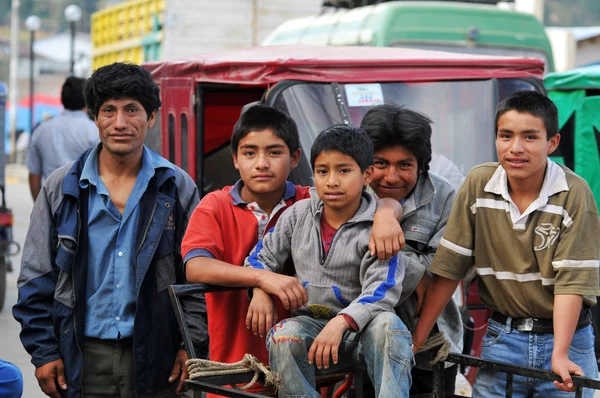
point(347, 139)
point(121, 80)
point(262, 117)
point(389, 125)
point(535, 104)
point(71, 94)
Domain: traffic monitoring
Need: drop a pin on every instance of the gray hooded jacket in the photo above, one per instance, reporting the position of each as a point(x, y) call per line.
point(348, 280)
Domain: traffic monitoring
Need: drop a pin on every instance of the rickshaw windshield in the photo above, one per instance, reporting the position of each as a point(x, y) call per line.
point(462, 111)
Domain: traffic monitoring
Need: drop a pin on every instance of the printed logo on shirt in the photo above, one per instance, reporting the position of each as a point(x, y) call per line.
point(170, 222)
point(419, 229)
point(320, 311)
point(548, 234)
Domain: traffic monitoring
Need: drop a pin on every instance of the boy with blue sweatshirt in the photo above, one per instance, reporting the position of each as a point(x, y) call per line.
point(349, 319)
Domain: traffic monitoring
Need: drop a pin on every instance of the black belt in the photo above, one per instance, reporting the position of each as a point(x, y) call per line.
point(540, 325)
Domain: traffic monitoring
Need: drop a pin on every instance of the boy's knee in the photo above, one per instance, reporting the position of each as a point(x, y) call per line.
point(387, 321)
point(387, 333)
point(286, 333)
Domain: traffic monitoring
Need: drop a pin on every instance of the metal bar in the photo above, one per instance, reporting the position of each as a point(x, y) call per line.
point(185, 334)
point(358, 384)
point(72, 62)
point(31, 61)
point(199, 109)
point(437, 390)
point(188, 290)
point(496, 366)
point(197, 385)
point(509, 385)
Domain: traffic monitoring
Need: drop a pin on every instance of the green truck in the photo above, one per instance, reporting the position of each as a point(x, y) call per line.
point(433, 25)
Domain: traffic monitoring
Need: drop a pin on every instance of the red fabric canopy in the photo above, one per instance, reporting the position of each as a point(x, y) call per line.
point(261, 66)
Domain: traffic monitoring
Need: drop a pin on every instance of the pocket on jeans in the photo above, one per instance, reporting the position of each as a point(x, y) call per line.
point(492, 335)
point(583, 341)
point(399, 346)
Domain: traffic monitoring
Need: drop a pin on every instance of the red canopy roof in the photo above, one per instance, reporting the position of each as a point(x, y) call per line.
point(262, 66)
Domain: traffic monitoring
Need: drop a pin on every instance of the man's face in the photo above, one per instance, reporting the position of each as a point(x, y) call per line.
point(123, 124)
point(395, 173)
point(339, 181)
point(523, 147)
point(264, 162)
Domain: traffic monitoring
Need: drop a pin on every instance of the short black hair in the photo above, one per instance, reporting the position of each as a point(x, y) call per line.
point(71, 94)
point(347, 139)
point(262, 117)
point(535, 104)
point(121, 80)
point(390, 125)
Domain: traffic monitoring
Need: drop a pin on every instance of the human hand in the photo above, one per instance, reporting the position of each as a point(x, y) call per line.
point(262, 314)
point(327, 342)
point(179, 371)
point(289, 290)
point(421, 291)
point(387, 238)
point(562, 366)
point(51, 377)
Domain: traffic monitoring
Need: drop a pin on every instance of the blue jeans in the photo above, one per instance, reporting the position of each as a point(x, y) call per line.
point(383, 348)
point(501, 343)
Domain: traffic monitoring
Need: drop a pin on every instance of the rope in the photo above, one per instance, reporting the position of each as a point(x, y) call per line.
point(437, 339)
point(198, 368)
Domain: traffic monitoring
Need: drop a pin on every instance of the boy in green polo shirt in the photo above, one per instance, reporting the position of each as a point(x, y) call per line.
point(530, 228)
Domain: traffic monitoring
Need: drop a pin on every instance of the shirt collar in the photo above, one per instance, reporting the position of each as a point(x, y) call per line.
point(555, 181)
point(150, 162)
point(236, 190)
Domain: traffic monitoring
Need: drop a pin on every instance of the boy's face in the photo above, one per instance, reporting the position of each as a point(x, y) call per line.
point(264, 162)
point(123, 124)
point(395, 174)
point(338, 180)
point(523, 147)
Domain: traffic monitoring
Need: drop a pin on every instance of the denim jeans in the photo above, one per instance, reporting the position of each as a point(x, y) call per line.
point(382, 347)
point(501, 343)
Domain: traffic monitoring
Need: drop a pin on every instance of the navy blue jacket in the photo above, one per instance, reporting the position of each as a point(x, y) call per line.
point(52, 283)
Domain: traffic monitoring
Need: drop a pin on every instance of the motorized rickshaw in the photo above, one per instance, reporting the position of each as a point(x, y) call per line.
point(321, 86)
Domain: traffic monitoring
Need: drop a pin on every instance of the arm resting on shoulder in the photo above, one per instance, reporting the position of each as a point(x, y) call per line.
point(387, 237)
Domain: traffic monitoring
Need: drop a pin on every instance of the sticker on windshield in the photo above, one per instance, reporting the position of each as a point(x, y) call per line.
point(364, 94)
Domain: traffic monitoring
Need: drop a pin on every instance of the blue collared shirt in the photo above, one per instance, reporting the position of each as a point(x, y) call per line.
point(111, 295)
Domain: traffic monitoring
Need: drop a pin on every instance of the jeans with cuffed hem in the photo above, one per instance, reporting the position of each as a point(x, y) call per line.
point(501, 343)
point(382, 348)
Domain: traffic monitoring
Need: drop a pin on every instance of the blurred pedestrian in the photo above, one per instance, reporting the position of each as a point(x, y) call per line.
point(60, 140)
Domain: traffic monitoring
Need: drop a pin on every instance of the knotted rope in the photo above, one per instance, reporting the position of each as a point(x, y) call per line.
point(202, 368)
point(437, 339)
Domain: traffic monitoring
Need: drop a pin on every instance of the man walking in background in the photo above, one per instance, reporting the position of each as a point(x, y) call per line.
point(60, 140)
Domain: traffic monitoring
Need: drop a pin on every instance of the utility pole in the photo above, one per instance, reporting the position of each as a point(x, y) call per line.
point(14, 62)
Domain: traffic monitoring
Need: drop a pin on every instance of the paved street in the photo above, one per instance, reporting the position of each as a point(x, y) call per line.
point(19, 200)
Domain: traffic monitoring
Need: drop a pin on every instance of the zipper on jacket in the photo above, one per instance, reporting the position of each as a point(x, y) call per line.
point(137, 294)
point(75, 303)
point(145, 235)
point(321, 248)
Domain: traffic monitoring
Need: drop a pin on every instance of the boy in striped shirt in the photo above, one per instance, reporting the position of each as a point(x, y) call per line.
point(530, 228)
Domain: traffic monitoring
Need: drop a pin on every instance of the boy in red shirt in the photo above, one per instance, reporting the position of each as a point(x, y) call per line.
point(228, 223)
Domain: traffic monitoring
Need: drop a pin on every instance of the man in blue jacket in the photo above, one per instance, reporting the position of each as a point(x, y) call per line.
point(102, 248)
